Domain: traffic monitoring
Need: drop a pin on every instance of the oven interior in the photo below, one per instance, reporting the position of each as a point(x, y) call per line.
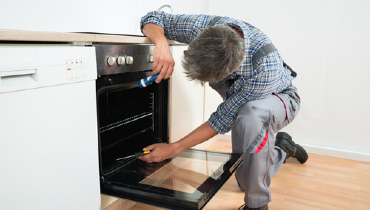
point(129, 117)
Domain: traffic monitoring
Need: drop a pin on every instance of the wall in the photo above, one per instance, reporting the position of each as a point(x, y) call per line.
point(327, 43)
point(114, 16)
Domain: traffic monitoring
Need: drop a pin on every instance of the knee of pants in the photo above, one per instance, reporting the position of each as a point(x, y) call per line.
point(251, 117)
point(250, 122)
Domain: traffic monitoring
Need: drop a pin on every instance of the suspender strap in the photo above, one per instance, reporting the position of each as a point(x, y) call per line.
point(214, 20)
point(292, 73)
point(263, 51)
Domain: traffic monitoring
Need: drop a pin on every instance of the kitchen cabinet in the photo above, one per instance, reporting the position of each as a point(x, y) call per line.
point(186, 100)
point(191, 104)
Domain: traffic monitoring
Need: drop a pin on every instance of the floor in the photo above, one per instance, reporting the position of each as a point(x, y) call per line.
point(321, 183)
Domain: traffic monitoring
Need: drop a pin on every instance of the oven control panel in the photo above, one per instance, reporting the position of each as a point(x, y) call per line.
point(116, 59)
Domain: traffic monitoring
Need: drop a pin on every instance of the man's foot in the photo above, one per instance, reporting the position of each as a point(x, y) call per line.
point(285, 142)
point(244, 207)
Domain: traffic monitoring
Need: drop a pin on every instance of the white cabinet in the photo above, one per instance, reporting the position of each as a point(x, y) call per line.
point(190, 103)
point(186, 100)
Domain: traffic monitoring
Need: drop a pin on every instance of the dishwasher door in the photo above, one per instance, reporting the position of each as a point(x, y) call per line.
point(48, 129)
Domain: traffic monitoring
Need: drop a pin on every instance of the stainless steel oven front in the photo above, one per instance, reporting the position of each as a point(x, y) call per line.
point(130, 118)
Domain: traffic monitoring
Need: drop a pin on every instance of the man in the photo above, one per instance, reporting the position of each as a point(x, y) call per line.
point(239, 62)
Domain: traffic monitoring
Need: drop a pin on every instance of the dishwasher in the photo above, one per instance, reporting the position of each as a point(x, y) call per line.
point(48, 128)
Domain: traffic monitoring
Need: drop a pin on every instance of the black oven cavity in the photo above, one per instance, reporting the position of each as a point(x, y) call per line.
point(129, 117)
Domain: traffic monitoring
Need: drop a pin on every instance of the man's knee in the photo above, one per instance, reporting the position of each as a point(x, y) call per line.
point(250, 115)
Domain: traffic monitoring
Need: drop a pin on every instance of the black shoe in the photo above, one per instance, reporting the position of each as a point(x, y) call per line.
point(244, 207)
point(285, 142)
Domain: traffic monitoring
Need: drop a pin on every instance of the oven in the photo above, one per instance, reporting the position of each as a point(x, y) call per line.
point(130, 118)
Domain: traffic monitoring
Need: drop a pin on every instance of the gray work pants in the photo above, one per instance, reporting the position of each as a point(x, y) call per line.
point(253, 136)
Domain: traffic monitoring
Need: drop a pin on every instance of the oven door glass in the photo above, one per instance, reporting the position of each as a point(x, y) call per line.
point(186, 181)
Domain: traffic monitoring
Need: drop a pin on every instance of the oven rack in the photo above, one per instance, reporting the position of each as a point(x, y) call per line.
point(118, 165)
point(125, 121)
point(124, 139)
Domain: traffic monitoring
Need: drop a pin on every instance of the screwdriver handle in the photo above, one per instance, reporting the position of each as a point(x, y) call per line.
point(138, 154)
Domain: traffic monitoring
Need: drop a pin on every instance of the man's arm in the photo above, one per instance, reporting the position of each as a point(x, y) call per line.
point(164, 151)
point(163, 59)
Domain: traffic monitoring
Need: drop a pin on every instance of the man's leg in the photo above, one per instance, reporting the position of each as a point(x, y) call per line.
point(253, 135)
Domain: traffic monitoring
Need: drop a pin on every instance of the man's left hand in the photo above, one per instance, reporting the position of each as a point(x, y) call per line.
point(159, 152)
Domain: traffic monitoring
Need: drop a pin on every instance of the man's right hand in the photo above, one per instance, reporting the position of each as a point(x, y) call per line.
point(163, 59)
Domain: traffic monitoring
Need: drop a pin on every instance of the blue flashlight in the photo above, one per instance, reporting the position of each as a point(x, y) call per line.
point(147, 81)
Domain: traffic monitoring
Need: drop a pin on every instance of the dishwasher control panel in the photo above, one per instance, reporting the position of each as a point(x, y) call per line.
point(75, 69)
point(27, 67)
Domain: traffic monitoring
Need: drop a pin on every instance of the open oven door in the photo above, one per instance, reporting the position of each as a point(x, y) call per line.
point(186, 181)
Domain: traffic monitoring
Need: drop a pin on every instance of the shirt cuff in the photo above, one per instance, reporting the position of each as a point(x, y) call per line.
point(150, 18)
point(217, 124)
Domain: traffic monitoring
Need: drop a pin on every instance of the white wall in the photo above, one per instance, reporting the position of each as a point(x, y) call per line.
point(114, 16)
point(327, 43)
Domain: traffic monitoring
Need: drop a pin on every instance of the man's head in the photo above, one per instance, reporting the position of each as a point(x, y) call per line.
point(215, 53)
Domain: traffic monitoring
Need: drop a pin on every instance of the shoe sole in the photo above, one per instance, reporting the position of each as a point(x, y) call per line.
point(288, 138)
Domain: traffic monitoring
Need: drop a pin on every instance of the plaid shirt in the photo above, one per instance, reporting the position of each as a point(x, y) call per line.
point(250, 84)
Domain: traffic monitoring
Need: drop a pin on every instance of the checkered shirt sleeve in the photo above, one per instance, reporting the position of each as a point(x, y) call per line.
point(179, 27)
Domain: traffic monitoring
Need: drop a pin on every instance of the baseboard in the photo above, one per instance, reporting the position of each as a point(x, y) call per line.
point(326, 151)
point(338, 153)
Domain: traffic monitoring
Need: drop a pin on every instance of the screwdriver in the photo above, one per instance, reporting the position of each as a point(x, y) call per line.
point(136, 155)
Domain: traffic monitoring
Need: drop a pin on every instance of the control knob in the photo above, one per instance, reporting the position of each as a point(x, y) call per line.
point(129, 60)
point(111, 61)
point(151, 59)
point(121, 60)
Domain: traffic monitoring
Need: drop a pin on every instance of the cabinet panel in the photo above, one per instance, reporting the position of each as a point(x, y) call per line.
point(186, 100)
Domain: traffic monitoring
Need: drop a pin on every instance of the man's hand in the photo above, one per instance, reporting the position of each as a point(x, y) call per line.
point(159, 152)
point(163, 59)
point(162, 152)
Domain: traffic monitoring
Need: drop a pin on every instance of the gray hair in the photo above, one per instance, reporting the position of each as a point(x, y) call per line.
point(214, 54)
